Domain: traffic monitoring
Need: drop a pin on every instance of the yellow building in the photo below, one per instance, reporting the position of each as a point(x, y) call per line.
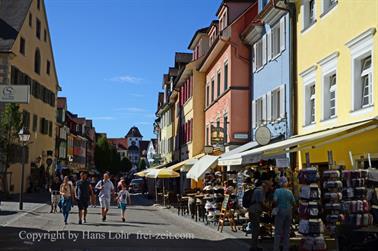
point(190, 84)
point(337, 48)
point(26, 58)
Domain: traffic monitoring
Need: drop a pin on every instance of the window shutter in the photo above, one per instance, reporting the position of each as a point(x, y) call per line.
point(282, 31)
point(253, 114)
point(282, 101)
point(264, 50)
point(269, 42)
point(264, 109)
point(254, 58)
point(269, 106)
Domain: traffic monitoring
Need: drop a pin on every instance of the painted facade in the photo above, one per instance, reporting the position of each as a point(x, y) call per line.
point(336, 75)
point(27, 58)
point(226, 66)
point(190, 84)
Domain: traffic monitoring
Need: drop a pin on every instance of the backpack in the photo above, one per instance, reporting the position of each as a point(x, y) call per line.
point(247, 198)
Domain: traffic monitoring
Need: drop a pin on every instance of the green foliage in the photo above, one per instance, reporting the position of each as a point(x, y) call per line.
point(106, 157)
point(126, 165)
point(142, 164)
point(10, 125)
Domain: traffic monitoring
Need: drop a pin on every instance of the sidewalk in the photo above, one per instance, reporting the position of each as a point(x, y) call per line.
point(9, 209)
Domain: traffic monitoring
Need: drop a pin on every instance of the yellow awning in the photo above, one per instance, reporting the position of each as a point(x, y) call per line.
point(190, 162)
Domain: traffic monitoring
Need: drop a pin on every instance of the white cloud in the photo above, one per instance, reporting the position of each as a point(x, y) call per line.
point(126, 79)
point(103, 118)
point(131, 109)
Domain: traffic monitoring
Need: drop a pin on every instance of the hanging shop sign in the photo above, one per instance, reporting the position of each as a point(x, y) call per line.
point(263, 135)
point(15, 93)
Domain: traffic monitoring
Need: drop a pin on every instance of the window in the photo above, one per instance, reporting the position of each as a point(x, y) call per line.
point(259, 112)
point(38, 4)
point(212, 90)
point(328, 5)
point(207, 135)
point(44, 35)
point(225, 129)
point(332, 96)
point(366, 98)
point(310, 104)
point(30, 19)
point(276, 48)
point(218, 84)
point(26, 119)
point(35, 123)
point(207, 95)
point(37, 62)
point(309, 13)
point(275, 104)
point(38, 29)
point(22, 46)
point(48, 67)
point(225, 76)
point(44, 126)
point(259, 56)
point(50, 128)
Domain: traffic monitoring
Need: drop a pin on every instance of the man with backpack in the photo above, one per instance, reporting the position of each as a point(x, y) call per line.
point(254, 201)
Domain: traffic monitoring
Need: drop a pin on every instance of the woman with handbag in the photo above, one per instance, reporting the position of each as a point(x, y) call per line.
point(67, 195)
point(284, 201)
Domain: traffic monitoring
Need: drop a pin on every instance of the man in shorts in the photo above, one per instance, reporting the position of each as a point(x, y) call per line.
point(83, 191)
point(106, 188)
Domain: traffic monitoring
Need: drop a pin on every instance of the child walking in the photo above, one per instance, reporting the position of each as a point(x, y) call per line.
point(123, 199)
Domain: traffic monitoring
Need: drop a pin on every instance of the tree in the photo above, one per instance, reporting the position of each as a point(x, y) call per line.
point(10, 125)
point(126, 165)
point(142, 164)
point(107, 157)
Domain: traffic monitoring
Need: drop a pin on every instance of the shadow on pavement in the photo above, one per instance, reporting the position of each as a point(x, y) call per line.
point(8, 212)
point(22, 239)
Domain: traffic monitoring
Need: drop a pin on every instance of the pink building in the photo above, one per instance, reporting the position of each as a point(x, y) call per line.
point(228, 70)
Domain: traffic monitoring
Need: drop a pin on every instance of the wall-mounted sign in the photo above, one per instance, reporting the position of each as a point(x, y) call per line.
point(263, 135)
point(283, 162)
point(15, 93)
point(240, 135)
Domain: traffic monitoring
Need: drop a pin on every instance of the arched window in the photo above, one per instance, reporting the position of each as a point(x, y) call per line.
point(37, 62)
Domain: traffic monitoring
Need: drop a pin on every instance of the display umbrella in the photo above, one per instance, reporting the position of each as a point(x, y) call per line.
point(162, 174)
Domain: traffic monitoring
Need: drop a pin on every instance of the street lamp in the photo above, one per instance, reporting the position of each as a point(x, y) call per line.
point(24, 137)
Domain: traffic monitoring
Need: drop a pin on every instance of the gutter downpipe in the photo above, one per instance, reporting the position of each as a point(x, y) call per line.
point(293, 75)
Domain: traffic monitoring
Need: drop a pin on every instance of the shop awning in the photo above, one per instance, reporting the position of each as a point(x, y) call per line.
point(188, 162)
point(240, 149)
point(202, 166)
point(254, 155)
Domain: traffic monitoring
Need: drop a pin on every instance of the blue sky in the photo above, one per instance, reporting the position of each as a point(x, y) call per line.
point(111, 55)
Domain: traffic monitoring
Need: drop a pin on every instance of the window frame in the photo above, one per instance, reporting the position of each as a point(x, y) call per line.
point(276, 40)
point(218, 83)
point(38, 27)
point(22, 46)
point(225, 75)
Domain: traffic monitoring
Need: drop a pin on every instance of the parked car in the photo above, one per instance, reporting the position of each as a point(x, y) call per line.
point(136, 186)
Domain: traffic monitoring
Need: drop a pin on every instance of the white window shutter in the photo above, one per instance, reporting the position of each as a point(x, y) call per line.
point(254, 58)
point(264, 109)
point(282, 102)
point(264, 49)
point(253, 114)
point(282, 33)
point(269, 42)
point(269, 106)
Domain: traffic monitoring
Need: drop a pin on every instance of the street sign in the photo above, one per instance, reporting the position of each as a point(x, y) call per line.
point(241, 135)
point(15, 93)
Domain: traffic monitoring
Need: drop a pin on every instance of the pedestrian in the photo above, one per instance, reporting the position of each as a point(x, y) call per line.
point(55, 195)
point(255, 209)
point(119, 184)
point(123, 199)
point(67, 195)
point(106, 188)
point(83, 192)
point(93, 183)
point(284, 201)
